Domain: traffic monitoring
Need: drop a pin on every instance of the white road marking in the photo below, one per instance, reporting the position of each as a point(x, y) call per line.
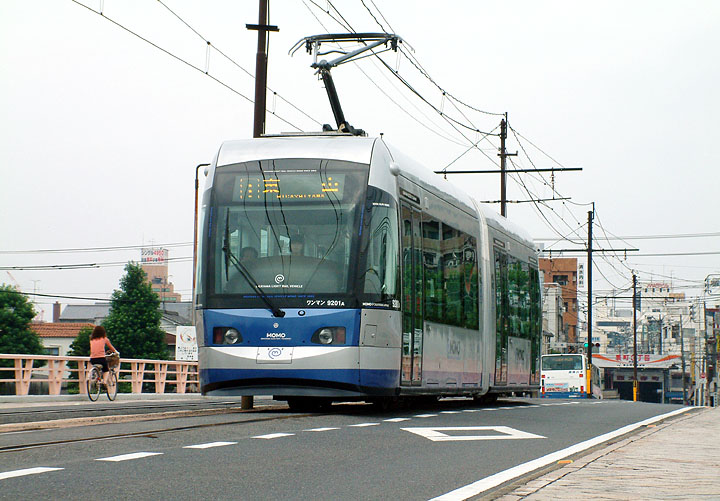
point(449, 412)
point(396, 419)
point(426, 415)
point(209, 445)
point(323, 429)
point(486, 483)
point(362, 425)
point(26, 471)
point(501, 433)
point(274, 435)
point(127, 457)
point(471, 410)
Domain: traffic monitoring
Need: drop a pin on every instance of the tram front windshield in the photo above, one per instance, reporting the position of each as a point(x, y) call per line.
point(286, 229)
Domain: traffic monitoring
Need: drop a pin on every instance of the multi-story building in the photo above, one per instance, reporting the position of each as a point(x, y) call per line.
point(564, 272)
point(154, 261)
point(552, 319)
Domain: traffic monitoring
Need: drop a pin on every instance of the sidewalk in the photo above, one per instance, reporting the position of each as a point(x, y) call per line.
point(678, 459)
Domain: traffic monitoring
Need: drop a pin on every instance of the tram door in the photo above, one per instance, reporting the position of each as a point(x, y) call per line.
point(412, 295)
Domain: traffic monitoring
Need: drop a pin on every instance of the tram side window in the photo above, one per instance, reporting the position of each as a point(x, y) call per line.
point(501, 314)
point(381, 275)
point(520, 308)
point(451, 274)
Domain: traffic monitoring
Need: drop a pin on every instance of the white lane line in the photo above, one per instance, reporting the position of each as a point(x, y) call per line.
point(486, 483)
point(426, 415)
point(471, 410)
point(127, 457)
point(396, 419)
point(362, 425)
point(274, 435)
point(449, 412)
point(323, 429)
point(209, 445)
point(26, 471)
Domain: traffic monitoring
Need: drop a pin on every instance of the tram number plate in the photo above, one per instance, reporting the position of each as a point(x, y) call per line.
point(274, 355)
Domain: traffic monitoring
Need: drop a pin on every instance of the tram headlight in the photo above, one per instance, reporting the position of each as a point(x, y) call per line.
point(329, 335)
point(325, 336)
point(226, 335)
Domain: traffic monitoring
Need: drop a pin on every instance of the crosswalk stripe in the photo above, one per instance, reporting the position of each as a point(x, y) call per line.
point(127, 457)
point(209, 445)
point(26, 471)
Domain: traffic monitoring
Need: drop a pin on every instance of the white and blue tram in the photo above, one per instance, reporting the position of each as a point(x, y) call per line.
point(331, 267)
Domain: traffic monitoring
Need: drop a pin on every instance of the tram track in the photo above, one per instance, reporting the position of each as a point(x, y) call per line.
point(146, 433)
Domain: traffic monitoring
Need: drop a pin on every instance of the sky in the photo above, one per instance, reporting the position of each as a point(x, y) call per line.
point(101, 131)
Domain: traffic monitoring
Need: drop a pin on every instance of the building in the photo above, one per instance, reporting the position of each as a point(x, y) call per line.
point(154, 262)
point(554, 332)
point(56, 337)
point(564, 273)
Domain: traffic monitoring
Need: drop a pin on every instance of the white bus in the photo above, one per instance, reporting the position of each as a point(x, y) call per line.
point(565, 376)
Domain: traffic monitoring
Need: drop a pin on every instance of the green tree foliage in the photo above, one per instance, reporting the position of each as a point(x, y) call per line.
point(80, 347)
point(133, 324)
point(16, 314)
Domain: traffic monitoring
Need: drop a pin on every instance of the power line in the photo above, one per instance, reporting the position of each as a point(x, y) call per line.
point(94, 249)
point(205, 72)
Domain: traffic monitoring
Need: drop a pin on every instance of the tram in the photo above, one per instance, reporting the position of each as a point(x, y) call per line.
point(334, 268)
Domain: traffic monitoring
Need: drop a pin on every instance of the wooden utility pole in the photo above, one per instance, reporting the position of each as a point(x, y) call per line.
point(261, 60)
point(589, 305)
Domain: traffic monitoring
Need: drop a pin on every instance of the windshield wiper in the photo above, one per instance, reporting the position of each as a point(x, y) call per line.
point(231, 258)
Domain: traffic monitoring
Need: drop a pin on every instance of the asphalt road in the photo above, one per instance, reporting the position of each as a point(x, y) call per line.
point(352, 452)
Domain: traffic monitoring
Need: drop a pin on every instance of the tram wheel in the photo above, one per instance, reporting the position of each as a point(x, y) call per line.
point(487, 399)
point(309, 404)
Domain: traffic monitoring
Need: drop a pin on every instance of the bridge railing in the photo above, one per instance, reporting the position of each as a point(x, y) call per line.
point(56, 372)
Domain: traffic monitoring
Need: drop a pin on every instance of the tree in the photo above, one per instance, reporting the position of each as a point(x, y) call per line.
point(133, 323)
point(80, 347)
point(16, 314)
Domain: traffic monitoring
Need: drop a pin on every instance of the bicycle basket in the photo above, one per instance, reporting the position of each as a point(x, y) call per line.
point(112, 360)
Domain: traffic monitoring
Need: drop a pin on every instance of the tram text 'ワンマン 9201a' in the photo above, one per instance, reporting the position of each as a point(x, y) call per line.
point(333, 268)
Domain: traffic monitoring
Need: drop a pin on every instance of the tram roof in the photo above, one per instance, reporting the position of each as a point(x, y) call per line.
point(348, 148)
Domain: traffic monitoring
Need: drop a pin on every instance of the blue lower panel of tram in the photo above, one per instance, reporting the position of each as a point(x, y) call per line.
point(280, 356)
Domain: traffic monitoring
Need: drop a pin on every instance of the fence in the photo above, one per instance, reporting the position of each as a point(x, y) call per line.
point(180, 374)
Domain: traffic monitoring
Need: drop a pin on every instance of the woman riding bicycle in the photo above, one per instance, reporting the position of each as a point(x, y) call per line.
point(98, 342)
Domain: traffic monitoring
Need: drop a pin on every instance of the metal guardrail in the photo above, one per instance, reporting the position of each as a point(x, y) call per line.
point(180, 374)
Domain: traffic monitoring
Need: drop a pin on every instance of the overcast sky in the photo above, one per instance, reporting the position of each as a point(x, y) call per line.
point(101, 131)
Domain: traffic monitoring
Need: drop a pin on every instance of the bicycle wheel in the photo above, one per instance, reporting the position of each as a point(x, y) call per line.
point(93, 384)
point(112, 385)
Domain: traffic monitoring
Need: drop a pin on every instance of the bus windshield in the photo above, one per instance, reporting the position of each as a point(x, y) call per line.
point(562, 363)
point(284, 228)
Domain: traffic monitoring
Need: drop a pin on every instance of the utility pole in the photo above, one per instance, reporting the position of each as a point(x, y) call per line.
point(503, 167)
point(682, 358)
point(635, 388)
point(261, 60)
point(589, 308)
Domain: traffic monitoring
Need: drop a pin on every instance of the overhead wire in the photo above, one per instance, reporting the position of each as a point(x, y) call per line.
point(178, 58)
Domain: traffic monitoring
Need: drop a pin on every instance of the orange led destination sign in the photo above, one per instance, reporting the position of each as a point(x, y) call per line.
point(290, 185)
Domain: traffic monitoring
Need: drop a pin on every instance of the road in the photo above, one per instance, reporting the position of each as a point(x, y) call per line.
point(351, 452)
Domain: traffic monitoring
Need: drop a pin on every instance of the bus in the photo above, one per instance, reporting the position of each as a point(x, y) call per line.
point(565, 376)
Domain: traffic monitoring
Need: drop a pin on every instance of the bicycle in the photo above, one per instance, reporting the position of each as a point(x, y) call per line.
point(95, 384)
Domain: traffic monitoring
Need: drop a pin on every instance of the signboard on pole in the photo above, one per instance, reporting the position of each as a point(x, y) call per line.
point(186, 344)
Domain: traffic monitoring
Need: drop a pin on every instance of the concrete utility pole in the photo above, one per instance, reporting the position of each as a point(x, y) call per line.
point(261, 67)
point(635, 338)
point(589, 307)
point(503, 167)
point(682, 359)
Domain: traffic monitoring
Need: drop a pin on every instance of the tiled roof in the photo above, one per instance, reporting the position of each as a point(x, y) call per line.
point(64, 329)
